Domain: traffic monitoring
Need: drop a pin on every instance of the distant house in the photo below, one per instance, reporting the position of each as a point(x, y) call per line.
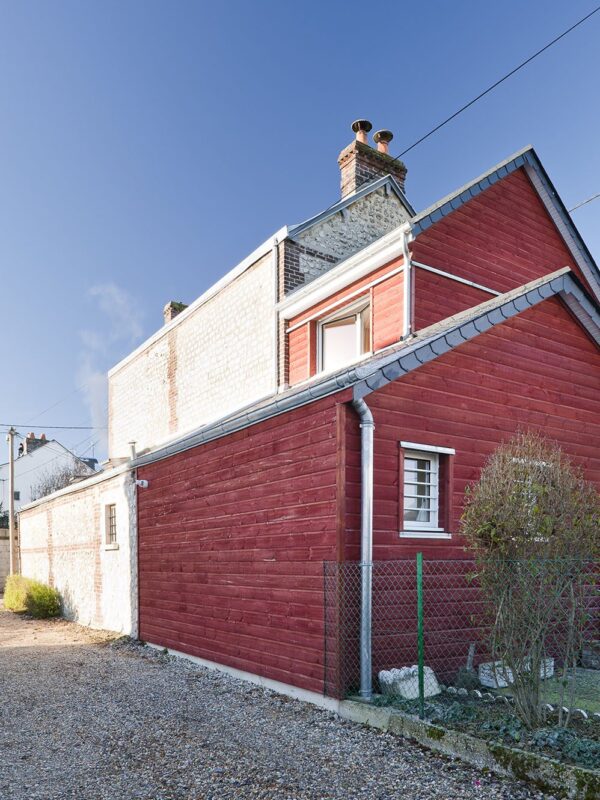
point(251, 411)
point(37, 458)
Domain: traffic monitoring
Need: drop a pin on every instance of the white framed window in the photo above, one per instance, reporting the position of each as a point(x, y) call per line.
point(111, 524)
point(421, 490)
point(344, 337)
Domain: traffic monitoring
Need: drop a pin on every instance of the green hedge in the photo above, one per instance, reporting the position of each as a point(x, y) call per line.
point(37, 599)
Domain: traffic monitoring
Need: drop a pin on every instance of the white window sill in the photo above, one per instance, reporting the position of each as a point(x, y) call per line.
point(434, 534)
point(112, 546)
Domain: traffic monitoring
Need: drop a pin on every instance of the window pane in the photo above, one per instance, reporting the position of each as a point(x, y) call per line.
point(339, 342)
point(420, 490)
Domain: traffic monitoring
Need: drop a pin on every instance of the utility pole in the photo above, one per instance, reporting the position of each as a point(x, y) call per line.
point(11, 498)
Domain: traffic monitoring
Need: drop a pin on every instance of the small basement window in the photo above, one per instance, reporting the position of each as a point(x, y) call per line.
point(345, 337)
point(111, 524)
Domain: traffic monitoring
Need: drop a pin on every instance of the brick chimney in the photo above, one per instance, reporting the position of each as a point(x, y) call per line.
point(172, 309)
point(31, 443)
point(360, 163)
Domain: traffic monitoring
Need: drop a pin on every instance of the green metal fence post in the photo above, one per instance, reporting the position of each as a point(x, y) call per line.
point(421, 643)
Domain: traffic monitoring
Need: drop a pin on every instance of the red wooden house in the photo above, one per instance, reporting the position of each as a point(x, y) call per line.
point(474, 319)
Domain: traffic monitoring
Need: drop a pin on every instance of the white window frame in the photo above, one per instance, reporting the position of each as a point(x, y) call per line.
point(434, 490)
point(355, 308)
point(108, 545)
point(431, 529)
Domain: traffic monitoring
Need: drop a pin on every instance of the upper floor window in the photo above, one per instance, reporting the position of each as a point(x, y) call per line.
point(344, 337)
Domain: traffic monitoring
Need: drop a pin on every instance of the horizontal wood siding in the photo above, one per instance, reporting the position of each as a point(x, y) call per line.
point(437, 297)
point(232, 539)
point(299, 357)
point(537, 371)
point(387, 314)
point(501, 239)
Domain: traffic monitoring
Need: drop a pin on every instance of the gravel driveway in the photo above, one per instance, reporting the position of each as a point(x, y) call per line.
point(85, 717)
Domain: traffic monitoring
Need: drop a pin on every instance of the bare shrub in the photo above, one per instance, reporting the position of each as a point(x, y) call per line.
point(534, 523)
point(57, 478)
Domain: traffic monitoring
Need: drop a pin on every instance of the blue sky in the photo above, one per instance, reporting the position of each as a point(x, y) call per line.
point(147, 147)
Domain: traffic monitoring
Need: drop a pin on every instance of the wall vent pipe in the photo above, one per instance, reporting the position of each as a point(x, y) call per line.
point(367, 427)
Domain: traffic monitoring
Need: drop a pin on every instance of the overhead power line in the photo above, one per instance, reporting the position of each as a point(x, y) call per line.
point(55, 427)
point(497, 83)
point(584, 202)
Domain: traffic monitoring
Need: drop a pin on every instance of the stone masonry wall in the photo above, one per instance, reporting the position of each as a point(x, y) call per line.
point(340, 236)
point(219, 358)
point(63, 543)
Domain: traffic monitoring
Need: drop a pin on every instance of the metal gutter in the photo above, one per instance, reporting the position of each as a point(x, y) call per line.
point(407, 293)
point(367, 428)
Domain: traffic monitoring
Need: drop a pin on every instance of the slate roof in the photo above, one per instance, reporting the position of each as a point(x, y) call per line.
point(396, 361)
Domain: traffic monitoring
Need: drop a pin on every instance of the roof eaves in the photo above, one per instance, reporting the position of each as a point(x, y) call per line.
point(451, 202)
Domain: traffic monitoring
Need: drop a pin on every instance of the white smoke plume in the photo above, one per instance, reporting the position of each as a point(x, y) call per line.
point(100, 348)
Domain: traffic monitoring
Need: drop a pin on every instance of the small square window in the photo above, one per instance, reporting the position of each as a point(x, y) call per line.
point(425, 491)
point(111, 524)
point(421, 490)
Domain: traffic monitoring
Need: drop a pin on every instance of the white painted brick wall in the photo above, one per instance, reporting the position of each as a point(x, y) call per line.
point(220, 358)
point(63, 542)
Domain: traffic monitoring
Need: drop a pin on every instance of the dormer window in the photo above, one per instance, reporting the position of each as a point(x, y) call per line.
point(344, 337)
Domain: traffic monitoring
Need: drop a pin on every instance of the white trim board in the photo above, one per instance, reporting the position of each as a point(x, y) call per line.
point(456, 278)
point(304, 695)
point(428, 448)
point(340, 303)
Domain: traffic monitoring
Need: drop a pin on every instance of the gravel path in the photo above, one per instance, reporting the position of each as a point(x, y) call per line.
point(86, 717)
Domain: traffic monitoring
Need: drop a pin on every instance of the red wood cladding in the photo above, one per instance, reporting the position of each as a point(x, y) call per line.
point(437, 297)
point(232, 539)
point(538, 371)
point(502, 238)
point(387, 311)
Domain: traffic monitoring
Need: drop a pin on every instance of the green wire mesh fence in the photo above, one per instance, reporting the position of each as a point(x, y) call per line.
point(442, 627)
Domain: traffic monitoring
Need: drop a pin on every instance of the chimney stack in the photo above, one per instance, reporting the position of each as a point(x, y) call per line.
point(31, 443)
point(360, 163)
point(172, 309)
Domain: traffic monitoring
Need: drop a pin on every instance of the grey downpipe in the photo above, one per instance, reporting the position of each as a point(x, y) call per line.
point(407, 297)
point(367, 427)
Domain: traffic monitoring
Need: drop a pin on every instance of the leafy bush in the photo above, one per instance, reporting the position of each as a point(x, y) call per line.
point(534, 524)
point(37, 599)
point(42, 601)
point(15, 592)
